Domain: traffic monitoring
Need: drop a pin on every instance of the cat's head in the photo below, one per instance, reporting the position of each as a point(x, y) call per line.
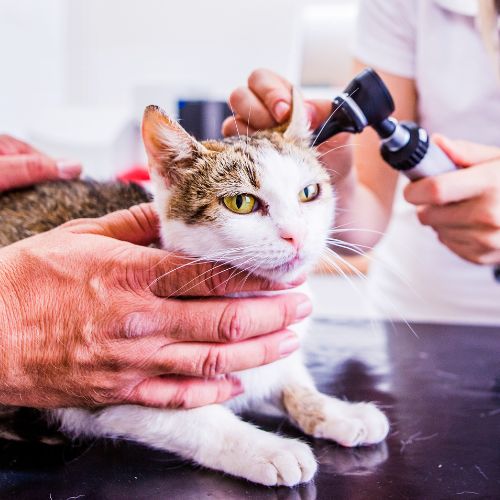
point(262, 203)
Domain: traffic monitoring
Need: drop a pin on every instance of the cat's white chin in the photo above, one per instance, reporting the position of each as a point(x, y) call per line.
point(287, 272)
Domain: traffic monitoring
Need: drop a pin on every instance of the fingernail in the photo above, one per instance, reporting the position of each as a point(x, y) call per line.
point(281, 110)
point(289, 345)
point(68, 169)
point(304, 309)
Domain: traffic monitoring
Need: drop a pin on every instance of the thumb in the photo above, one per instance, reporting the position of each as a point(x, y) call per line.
point(138, 225)
point(466, 153)
point(319, 110)
point(24, 170)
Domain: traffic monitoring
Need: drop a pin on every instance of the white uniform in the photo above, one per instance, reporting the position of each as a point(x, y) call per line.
point(437, 43)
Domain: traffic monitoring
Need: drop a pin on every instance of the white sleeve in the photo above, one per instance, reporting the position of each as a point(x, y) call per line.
point(385, 35)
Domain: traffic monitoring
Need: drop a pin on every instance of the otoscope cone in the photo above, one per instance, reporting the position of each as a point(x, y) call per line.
point(369, 92)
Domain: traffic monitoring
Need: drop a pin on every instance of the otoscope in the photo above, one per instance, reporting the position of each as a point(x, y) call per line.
point(405, 146)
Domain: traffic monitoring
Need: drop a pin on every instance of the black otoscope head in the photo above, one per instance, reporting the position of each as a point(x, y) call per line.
point(365, 101)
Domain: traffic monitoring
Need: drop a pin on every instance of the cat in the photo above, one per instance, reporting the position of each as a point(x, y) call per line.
point(264, 204)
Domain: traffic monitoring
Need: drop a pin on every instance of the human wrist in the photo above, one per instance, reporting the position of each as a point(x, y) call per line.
point(10, 316)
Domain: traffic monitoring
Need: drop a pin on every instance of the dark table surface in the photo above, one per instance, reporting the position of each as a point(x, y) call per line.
point(440, 386)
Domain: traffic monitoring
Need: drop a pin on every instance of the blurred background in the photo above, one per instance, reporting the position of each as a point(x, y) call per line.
point(77, 74)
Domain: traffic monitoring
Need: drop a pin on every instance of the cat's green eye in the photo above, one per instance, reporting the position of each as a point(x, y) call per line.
point(309, 193)
point(241, 203)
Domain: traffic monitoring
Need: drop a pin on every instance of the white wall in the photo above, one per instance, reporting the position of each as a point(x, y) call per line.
point(32, 57)
point(92, 54)
point(211, 44)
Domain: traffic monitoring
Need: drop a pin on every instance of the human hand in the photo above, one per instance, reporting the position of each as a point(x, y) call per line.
point(463, 207)
point(266, 102)
point(22, 165)
point(89, 317)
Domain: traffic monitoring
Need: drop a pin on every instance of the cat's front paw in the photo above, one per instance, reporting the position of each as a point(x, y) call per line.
point(280, 462)
point(358, 424)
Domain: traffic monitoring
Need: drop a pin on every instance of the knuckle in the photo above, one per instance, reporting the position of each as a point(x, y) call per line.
point(100, 397)
point(256, 76)
point(215, 363)
point(287, 314)
point(238, 96)
point(423, 217)
point(227, 125)
point(105, 391)
point(182, 398)
point(490, 217)
point(34, 166)
point(488, 241)
point(217, 280)
point(437, 192)
point(268, 354)
point(232, 323)
point(478, 258)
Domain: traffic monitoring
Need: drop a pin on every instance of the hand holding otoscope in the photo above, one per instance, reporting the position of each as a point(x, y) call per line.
point(405, 146)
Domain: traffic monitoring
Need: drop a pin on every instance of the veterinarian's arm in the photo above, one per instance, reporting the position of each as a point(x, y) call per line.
point(91, 316)
point(364, 193)
point(22, 165)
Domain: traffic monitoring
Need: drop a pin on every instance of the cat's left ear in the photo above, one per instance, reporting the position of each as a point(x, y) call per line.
point(298, 129)
point(169, 147)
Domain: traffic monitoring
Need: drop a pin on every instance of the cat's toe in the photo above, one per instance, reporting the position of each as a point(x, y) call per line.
point(354, 424)
point(375, 422)
point(347, 432)
point(287, 464)
point(306, 460)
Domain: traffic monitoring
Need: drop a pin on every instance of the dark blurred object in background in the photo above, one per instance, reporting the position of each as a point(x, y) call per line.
point(203, 119)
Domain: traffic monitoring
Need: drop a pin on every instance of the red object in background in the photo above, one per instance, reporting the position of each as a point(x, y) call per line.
point(137, 173)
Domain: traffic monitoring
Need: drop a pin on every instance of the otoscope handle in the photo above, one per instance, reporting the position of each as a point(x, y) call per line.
point(410, 151)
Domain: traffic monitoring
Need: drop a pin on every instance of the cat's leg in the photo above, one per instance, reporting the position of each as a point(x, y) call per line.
point(322, 416)
point(212, 436)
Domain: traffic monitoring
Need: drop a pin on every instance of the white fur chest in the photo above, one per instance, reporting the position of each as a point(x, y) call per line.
point(266, 382)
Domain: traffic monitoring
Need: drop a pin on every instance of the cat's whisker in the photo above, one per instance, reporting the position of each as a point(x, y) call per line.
point(173, 294)
point(250, 271)
point(231, 277)
point(362, 276)
point(235, 120)
point(193, 261)
point(377, 259)
point(245, 269)
point(339, 229)
point(196, 278)
point(354, 246)
point(248, 121)
point(338, 147)
point(348, 264)
point(333, 263)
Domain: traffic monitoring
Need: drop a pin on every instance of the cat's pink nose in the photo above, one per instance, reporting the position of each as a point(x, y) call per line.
point(294, 237)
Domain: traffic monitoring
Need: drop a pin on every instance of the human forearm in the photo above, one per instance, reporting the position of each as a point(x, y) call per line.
point(360, 217)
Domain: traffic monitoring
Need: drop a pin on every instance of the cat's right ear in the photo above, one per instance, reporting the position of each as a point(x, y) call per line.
point(169, 147)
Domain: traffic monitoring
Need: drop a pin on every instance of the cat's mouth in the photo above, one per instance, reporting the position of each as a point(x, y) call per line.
point(290, 265)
